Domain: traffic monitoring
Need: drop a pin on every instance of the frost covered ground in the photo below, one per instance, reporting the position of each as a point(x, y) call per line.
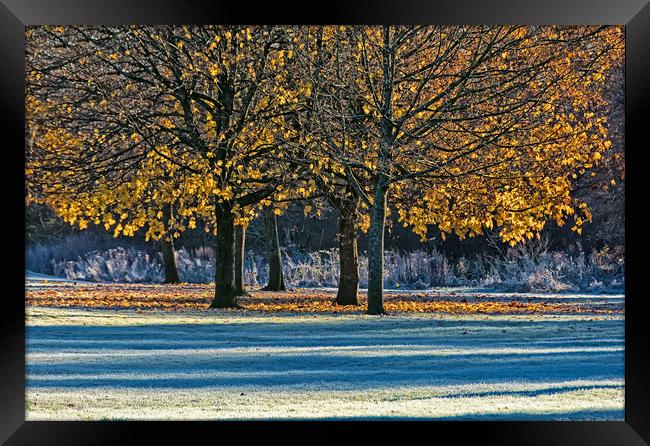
point(206, 364)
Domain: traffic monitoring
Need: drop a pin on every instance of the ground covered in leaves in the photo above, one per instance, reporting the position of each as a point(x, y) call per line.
point(306, 300)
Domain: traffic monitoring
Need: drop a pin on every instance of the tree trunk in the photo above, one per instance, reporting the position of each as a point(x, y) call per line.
point(224, 278)
point(240, 243)
point(384, 159)
point(169, 260)
point(274, 255)
point(376, 253)
point(348, 260)
point(167, 249)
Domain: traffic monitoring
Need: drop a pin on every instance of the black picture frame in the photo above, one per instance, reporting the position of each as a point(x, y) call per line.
point(16, 14)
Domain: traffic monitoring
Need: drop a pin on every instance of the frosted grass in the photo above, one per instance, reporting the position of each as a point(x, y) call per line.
point(119, 364)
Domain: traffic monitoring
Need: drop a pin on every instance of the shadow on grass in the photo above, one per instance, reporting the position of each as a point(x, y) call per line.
point(312, 354)
point(584, 415)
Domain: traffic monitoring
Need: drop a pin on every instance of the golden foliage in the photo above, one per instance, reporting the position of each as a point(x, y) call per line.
point(474, 127)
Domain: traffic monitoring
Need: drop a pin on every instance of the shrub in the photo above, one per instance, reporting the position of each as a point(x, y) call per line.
point(524, 269)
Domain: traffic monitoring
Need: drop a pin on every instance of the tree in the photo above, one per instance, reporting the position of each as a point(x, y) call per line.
point(273, 253)
point(475, 127)
point(168, 253)
point(333, 139)
point(133, 119)
point(240, 245)
point(462, 128)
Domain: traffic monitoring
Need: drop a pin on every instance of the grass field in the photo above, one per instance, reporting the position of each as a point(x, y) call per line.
point(183, 362)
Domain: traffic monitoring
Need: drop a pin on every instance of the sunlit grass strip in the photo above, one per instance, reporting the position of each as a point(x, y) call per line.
point(480, 401)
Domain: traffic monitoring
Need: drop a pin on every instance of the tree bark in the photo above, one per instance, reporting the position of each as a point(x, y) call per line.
point(384, 160)
point(376, 253)
point(225, 292)
point(240, 243)
point(348, 260)
point(167, 249)
point(169, 260)
point(274, 255)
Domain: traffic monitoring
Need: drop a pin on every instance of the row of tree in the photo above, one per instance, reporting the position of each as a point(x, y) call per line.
point(462, 128)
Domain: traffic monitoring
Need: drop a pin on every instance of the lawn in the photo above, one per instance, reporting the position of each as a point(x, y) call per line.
point(179, 361)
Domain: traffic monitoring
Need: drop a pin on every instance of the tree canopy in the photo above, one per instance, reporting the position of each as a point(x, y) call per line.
point(464, 128)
